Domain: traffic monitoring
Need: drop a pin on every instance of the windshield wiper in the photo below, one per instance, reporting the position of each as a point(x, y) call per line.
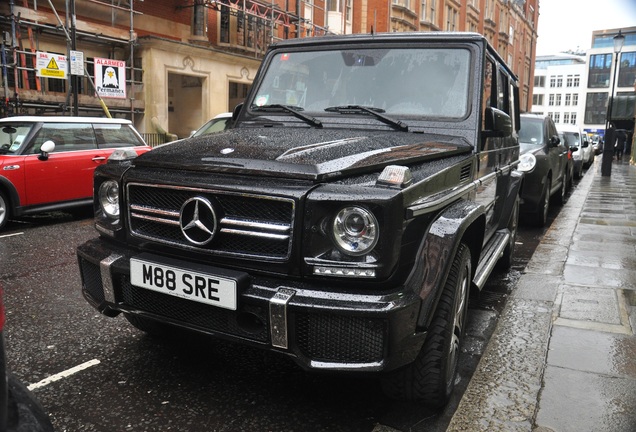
point(292, 110)
point(376, 112)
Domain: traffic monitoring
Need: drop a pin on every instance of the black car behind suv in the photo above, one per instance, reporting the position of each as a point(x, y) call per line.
point(553, 167)
point(368, 183)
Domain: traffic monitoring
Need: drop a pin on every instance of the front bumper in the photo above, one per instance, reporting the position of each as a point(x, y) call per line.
point(319, 327)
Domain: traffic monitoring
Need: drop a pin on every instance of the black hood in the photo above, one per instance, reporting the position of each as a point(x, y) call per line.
point(312, 154)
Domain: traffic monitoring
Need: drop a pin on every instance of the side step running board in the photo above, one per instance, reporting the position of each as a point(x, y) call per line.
point(489, 256)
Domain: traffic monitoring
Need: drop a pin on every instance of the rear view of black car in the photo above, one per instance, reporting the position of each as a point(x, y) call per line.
point(367, 185)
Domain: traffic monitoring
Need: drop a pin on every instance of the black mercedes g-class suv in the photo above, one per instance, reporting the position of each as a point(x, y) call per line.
point(367, 184)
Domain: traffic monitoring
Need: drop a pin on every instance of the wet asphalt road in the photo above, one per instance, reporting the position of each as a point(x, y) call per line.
point(94, 373)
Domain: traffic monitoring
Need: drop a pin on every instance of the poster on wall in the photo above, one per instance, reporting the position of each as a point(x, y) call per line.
point(110, 78)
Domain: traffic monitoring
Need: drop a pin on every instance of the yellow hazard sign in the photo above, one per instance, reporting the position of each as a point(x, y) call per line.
point(51, 65)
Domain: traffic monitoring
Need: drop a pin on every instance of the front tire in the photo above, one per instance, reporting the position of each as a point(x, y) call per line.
point(4, 210)
point(431, 377)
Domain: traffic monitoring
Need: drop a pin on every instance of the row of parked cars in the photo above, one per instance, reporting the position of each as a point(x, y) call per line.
point(559, 154)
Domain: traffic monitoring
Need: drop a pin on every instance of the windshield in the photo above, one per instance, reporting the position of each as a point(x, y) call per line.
point(531, 131)
point(430, 82)
point(12, 135)
point(570, 139)
point(214, 125)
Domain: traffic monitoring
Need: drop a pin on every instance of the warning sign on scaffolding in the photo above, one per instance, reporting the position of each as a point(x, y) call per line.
point(110, 78)
point(51, 65)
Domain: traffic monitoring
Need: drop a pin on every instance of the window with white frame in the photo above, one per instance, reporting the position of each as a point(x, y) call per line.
point(558, 100)
point(559, 81)
point(566, 118)
point(451, 18)
point(568, 99)
point(575, 99)
point(537, 99)
point(557, 117)
point(552, 81)
point(573, 118)
point(551, 100)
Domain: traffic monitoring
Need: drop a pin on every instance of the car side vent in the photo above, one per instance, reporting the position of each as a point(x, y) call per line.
point(464, 174)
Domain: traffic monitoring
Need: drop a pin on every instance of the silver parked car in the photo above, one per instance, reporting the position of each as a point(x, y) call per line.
point(582, 152)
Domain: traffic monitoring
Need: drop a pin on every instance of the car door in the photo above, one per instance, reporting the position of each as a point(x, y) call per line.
point(557, 153)
point(66, 174)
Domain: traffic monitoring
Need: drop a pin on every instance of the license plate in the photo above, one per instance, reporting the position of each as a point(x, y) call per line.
point(201, 287)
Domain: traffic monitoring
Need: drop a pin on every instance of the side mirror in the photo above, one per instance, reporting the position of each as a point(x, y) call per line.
point(497, 123)
point(554, 141)
point(236, 111)
point(47, 147)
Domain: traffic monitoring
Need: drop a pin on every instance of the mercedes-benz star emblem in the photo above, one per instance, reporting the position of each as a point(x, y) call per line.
point(197, 221)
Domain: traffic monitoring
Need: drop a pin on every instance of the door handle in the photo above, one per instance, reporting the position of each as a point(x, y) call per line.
point(98, 158)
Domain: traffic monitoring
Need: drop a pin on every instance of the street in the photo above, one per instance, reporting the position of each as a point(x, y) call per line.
point(94, 373)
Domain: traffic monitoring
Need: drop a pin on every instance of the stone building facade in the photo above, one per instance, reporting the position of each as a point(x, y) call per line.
point(188, 60)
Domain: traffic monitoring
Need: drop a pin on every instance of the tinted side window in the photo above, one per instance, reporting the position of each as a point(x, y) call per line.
point(116, 135)
point(66, 136)
point(503, 98)
point(488, 94)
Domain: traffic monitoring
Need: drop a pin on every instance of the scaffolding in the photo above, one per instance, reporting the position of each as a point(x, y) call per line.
point(34, 94)
point(258, 23)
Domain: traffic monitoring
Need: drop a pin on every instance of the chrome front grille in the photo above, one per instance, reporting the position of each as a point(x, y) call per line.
point(246, 225)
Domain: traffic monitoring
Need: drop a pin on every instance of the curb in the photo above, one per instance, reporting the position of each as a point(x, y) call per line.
point(503, 393)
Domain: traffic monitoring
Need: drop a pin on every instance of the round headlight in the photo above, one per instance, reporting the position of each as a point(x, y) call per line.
point(109, 198)
point(355, 231)
point(527, 162)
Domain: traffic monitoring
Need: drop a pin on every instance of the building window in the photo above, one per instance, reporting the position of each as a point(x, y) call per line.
point(199, 19)
point(539, 81)
point(558, 100)
point(599, 73)
point(552, 82)
point(551, 100)
point(568, 99)
point(490, 10)
point(537, 99)
point(557, 117)
point(566, 118)
point(595, 108)
point(405, 3)
point(627, 69)
point(573, 118)
point(575, 99)
point(559, 81)
point(577, 81)
point(451, 19)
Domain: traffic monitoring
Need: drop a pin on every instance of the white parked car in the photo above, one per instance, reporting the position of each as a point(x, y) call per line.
point(217, 124)
point(582, 151)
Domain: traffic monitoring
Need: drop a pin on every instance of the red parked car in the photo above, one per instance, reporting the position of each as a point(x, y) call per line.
point(47, 163)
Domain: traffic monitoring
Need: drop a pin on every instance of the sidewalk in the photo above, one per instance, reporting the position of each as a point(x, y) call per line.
point(563, 355)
